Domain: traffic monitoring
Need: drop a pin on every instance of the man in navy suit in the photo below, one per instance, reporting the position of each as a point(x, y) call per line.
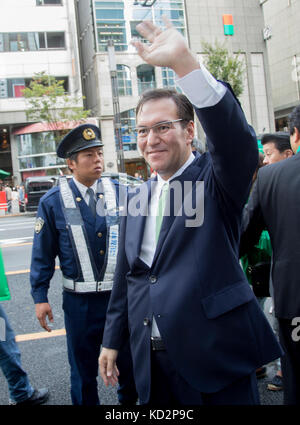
point(68, 226)
point(197, 333)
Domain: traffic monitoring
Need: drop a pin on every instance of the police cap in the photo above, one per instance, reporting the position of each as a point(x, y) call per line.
point(82, 137)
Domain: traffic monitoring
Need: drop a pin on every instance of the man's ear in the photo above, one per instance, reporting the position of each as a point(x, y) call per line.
point(69, 163)
point(297, 137)
point(190, 128)
point(288, 153)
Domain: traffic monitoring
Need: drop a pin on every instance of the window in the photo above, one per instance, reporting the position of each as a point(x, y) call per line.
point(146, 78)
point(13, 87)
point(127, 126)
point(168, 79)
point(47, 2)
point(112, 31)
point(111, 24)
point(38, 150)
point(124, 80)
point(118, 19)
point(31, 41)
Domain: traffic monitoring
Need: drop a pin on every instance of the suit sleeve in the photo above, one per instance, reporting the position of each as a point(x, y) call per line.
point(44, 251)
point(233, 147)
point(252, 222)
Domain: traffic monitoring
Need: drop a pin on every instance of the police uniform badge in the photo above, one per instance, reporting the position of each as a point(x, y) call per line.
point(39, 223)
point(88, 134)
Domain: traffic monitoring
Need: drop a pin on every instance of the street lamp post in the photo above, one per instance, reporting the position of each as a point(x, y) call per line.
point(116, 104)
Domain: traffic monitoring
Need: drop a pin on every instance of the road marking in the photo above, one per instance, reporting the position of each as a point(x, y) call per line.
point(15, 240)
point(16, 244)
point(12, 272)
point(40, 335)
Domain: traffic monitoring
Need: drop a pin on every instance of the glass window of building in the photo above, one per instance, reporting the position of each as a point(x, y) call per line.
point(31, 41)
point(124, 80)
point(13, 87)
point(145, 77)
point(46, 2)
point(168, 79)
point(38, 151)
point(118, 20)
point(110, 23)
point(127, 126)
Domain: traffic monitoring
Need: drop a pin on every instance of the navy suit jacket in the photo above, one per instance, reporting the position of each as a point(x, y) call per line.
point(212, 326)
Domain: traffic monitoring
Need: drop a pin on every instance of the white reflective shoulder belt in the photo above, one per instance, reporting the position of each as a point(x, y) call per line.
point(113, 233)
point(77, 233)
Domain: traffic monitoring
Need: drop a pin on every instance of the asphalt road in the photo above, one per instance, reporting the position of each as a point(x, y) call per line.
point(45, 359)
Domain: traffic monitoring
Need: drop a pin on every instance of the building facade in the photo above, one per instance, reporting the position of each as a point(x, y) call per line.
point(201, 20)
point(282, 34)
point(35, 36)
point(69, 39)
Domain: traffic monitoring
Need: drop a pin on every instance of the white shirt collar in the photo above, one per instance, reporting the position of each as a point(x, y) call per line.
point(82, 188)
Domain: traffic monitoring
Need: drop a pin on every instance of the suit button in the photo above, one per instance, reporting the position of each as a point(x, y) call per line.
point(99, 235)
point(102, 252)
point(146, 321)
point(153, 279)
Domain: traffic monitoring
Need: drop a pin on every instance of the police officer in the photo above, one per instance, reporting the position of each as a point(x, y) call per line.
point(72, 225)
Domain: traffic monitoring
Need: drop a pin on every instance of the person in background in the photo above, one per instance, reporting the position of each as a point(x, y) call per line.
point(274, 204)
point(70, 225)
point(20, 389)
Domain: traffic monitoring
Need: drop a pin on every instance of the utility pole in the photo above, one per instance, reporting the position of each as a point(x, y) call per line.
point(116, 104)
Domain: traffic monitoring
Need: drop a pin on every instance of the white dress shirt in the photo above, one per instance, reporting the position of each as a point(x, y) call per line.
point(83, 190)
point(208, 93)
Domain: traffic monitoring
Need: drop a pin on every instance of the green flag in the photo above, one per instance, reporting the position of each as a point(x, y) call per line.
point(4, 291)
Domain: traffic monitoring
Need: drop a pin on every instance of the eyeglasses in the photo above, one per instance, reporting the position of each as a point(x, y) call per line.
point(160, 128)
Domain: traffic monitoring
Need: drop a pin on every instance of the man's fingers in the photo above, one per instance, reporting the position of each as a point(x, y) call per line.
point(43, 324)
point(142, 49)
point(50, 316)
point(42, 311)
point(167, 22)
point(148, 30)
point(107, 365)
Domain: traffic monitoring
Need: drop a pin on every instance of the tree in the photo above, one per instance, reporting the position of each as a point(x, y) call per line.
point(224, 66)
point(48, 102)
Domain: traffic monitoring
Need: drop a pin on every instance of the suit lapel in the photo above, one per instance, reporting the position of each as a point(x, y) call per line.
point(176, 208)
point(136, 224)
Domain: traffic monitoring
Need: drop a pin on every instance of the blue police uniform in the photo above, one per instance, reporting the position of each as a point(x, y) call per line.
point(84, 312)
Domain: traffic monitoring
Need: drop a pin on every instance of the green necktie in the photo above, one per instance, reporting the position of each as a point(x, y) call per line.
point(160, 209)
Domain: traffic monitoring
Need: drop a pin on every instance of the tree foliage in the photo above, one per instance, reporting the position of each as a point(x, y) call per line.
point(47, 102)
point(224, 66)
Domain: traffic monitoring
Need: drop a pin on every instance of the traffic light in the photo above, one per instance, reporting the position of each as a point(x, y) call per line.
point(228, 24)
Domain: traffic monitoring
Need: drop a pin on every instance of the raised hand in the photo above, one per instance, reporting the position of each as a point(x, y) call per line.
point(168, 48)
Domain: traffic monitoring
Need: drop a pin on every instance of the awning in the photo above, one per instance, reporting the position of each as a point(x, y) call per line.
point(39, 127)
point(4, 173)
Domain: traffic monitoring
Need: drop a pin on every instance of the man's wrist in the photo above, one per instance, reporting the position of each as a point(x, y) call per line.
point(186, 65)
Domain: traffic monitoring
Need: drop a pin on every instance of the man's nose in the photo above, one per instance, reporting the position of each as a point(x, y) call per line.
point(152, 137)
point(265, 161)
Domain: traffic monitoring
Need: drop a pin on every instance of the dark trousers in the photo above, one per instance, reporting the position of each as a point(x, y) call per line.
point(290, 363)
point(84, 322)
point(169, 388)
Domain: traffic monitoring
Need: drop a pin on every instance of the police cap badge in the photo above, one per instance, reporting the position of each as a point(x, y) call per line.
point(82, 137)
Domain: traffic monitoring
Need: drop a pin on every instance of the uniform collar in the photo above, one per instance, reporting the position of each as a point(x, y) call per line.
point(82, 188)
